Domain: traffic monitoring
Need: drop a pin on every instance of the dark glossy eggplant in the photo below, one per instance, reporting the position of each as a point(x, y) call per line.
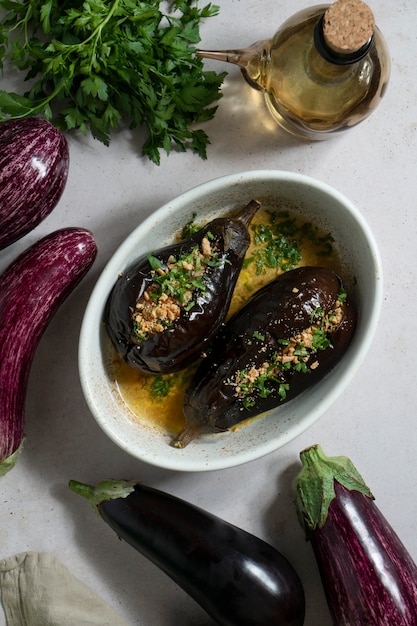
point(369, 577)
point(237, 578)
point(196, 299)
point(34, 162)
point(262, 357)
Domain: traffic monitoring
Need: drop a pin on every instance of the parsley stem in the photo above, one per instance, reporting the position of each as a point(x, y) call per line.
point(94, 36)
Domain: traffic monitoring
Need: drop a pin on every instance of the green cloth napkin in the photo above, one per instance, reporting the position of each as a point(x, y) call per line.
point(38, 590)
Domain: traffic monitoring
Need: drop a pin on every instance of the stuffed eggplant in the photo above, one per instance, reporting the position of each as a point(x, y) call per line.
point(287, 336)
point(165, 308)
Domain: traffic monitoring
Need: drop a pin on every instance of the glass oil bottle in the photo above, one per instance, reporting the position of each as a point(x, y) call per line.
point(324, 71)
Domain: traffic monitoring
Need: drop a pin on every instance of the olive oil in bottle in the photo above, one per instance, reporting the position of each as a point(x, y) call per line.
point(325, 69)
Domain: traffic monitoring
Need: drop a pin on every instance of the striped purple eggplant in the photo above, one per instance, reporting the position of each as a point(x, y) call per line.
point(34, 162)
point(31, 290)
point(369, 577)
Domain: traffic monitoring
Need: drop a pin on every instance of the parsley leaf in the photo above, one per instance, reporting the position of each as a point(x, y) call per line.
point(278, 243)
point(161, 386)
point(95, 64)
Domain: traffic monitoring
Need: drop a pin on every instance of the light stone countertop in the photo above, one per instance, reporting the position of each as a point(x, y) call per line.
point(110, 191)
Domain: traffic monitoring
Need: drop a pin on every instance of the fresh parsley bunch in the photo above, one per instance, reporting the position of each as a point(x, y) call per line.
point(92, 64)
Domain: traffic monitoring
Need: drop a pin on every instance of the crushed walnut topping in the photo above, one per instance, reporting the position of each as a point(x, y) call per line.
point(172, 289)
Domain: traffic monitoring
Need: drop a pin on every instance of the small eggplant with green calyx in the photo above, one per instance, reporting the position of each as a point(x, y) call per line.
point(166, 307)
point(368, 575)
point(285, 338)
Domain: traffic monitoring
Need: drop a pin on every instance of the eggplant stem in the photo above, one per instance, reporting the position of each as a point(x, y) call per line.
point(246, 214)
point(187, 435)
point(86, 491)
point(9, 462)
point(105, 490)
point(314, 486)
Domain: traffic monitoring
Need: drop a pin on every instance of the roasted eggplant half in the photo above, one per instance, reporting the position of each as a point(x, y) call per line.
point(164, 310)
point(286, 337)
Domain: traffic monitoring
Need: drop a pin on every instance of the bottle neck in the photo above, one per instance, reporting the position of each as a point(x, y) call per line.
point(337, 58)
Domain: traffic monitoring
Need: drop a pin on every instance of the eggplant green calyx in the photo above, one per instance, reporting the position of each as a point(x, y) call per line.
point(105, 490)
point(314, 486)
point(7, 464)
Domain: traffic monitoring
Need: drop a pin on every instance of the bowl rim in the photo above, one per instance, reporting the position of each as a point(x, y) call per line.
point(117, 260)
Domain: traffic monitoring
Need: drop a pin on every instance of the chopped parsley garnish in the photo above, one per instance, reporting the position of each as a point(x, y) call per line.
point(154, 262)
point(320, 339)
point(279, 242)
point(324, 243)
point(190, 228)
point(182, 277)
point(342, 296)
point(172, 290)
point(161, 386)
point(317, 315)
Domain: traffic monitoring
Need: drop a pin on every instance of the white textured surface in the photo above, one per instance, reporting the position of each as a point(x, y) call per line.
point(110, 190)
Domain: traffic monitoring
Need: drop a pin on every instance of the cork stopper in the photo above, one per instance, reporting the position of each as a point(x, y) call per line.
point(347, 26)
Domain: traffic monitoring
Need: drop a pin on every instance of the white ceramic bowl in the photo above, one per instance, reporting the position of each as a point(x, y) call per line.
point(362, 277)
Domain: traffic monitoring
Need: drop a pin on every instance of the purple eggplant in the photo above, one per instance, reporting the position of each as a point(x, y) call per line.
point(286, 337)
point(368, 576)
point(34, 162)
point(31, 290)
point(237, 578)
point(180, 294)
